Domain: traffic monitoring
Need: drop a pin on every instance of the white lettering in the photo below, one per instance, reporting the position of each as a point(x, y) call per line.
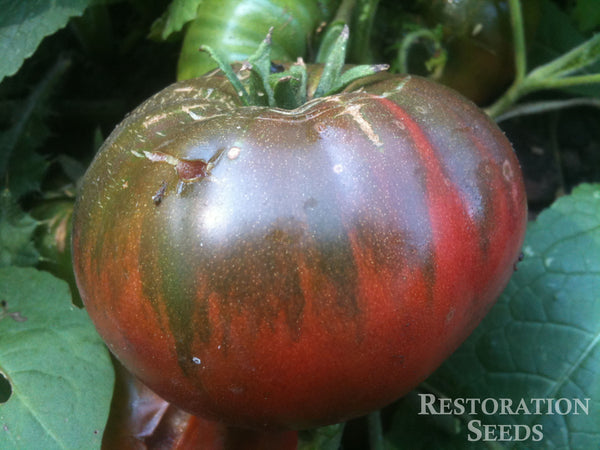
point(518, 429)
point(537, 431)
point(445, 406)
point(522, 408)
point(559, 410)
point(505, 433)
point(585, 408)
point(474, 426)
point(486, 410)
point(505, 406)
point(459, 406)
point(427, 401)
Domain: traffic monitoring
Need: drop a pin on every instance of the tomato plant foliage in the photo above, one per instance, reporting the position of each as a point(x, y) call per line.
point(52, 363)
point(539, 340)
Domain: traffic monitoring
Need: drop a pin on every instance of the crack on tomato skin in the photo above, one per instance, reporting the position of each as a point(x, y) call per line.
point(188, 170)
point(354, 111)
point(398, 88)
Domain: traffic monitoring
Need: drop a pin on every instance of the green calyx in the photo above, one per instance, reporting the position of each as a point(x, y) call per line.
point(260, 83)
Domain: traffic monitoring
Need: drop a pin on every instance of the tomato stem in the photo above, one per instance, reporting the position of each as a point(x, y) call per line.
point(436, 64)
point(342, 18)
point(363, 26)
point(375, 431)
point(518, 35)
point(557, 74)
point(287, 89)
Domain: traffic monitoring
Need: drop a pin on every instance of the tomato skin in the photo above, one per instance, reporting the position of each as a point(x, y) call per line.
point(331, 259)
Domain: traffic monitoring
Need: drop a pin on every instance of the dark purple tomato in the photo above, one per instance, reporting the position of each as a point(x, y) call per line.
point(275, 268)
point(477, 38)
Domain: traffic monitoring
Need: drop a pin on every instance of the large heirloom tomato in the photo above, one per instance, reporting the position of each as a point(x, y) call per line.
point(291, 268)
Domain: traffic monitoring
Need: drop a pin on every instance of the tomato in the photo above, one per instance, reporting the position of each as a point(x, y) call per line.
point(477, 38)
point(236, 27)
point(480, 54)
point(285, 269)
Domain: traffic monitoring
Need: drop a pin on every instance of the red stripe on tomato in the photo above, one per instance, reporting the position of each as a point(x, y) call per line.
point(454, 233)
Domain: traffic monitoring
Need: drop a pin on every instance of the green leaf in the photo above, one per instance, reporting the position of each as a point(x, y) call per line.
point(59, 371)
point(328, 41)
point(175, 17)
point(23, 25)
point(259, 64)
point(586, 15)
point(290, 89)
point(578, 58)
point(226, 68)
point(356, 73)
point(555, 36)
point(19, 164)
point(334, 63)
point(541, 339)
point(16, 234)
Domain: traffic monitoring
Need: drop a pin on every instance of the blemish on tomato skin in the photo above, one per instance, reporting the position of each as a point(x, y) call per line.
point(311, 203)
point(233, 152)
point(158, 197)
point(507, 171)
point(450, 315)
